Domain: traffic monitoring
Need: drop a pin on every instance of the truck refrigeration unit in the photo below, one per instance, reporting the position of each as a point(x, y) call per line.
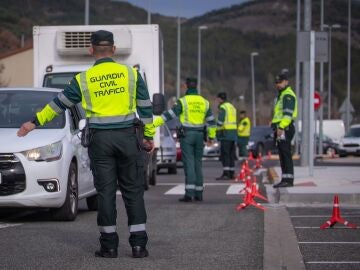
point(60, 52)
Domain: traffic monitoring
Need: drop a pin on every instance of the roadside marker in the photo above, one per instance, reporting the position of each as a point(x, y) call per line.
point(336, 217)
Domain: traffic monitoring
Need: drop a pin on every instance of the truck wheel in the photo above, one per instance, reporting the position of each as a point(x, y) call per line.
point(68, 211)
point(92, 203)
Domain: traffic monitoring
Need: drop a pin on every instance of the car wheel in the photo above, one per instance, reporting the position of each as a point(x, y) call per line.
point(172, 170)
point(92, 203)
point(68, 211)
point(342, 154)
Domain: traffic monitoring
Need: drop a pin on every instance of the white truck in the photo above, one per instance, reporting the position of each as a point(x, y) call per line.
point(60, 52)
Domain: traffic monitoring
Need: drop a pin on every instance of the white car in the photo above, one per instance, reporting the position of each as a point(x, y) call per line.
point(166, 155)
point(48, 168)
point(350, 143)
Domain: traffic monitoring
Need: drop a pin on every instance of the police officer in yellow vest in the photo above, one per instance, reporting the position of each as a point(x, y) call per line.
point(243, 132)
point(110, 94)
point(227, 135)
point(285, 112)
point(194, 113)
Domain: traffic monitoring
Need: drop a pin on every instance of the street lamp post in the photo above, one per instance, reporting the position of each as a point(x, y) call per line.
point(200, 28)
point(87, 4)
point(253, 86)
point(330, 27)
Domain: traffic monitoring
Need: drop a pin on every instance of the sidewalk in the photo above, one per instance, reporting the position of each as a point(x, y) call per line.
point(318, 188)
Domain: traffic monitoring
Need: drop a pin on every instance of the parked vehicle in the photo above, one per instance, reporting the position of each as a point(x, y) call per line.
point(166, 155)
point(350, 143)
point(213, 150)
point(261, 140)
point(60, 52)
point(173, 125)
point(329, 145)
point(48, 168)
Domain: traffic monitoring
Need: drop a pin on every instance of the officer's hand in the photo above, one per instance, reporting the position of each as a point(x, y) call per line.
point(279, 132)
point(148, 145)
point(25, 129)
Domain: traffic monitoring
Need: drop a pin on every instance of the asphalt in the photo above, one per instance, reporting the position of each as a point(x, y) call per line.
point(312, 188)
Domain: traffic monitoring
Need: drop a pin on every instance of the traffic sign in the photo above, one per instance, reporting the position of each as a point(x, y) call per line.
point(317, 100)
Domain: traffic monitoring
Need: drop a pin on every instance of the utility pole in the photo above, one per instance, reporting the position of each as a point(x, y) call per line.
point(321, 109)
point(87, 4)
point(178, 57)
point(347, 124)
point(307, 143)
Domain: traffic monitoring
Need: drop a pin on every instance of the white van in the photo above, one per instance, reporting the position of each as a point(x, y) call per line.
point(333, 128)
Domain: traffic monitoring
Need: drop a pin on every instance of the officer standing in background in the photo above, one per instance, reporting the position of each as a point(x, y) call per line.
point(227, 135)
point(194, 112)
point(114, 148)
point(243, 132)
point(285, 112)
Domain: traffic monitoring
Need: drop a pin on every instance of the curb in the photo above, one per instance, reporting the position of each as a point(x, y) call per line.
point(281, 249)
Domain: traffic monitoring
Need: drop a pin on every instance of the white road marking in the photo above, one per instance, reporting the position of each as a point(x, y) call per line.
point(118, 193)
point(177, 190)
point(235, 189)
point(8, 225)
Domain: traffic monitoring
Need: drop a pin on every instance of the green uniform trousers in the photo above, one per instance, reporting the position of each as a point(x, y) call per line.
point(192, 147)
point(115, 157)
point(242, 143)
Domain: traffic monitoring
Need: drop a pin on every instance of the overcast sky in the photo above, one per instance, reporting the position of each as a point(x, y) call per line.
point(186, 8)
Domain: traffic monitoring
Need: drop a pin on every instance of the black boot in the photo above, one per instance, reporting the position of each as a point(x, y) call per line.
point(185, 199)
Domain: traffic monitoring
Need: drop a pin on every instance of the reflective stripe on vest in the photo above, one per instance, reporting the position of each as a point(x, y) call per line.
point(109, 93)
point(278, 109)
point(244, 130)
point(230, 116)
point(194, 111)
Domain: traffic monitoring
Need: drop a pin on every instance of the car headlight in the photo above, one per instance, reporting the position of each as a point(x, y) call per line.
point(49, 152)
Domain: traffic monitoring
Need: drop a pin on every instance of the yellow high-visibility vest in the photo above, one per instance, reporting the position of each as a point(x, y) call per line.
point(194, 109)
point(244, 127)
point(230, 116)
point(108, 93)
point(279, 111)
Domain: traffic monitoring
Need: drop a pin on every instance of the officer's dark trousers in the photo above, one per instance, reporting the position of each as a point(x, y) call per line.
point(227, 156)
point(285, 155)
point(114, 155)
point(192, 146)
point(242, 144)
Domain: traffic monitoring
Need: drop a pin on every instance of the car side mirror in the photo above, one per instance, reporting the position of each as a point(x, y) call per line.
point(158, 104)
point(82, 124)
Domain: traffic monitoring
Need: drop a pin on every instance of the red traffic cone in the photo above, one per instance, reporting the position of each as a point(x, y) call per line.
point(251, 156)
point(241, 176)
point(258, 163)
point(247, 188)
point(336, 217)
point(248, 171)
point(255, 190)
point(250, 193)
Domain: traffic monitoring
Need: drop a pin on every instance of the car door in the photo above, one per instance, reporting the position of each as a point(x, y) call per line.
point(85, 178)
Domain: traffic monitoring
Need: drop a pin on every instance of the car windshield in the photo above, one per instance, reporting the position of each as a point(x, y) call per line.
point(19, 106)
point(353, 132)
point(58, 80)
